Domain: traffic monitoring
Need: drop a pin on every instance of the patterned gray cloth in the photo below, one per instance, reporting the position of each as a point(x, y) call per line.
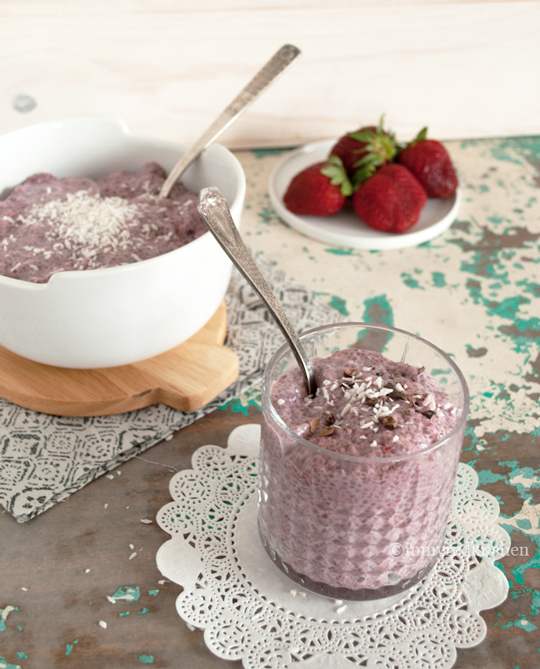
point(44, 459)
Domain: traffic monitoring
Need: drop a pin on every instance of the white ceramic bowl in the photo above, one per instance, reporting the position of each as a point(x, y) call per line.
point(118, 315)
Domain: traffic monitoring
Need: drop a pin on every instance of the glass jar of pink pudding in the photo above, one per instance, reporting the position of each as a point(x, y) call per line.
point(356, 481)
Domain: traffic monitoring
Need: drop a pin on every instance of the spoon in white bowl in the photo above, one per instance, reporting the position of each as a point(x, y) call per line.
point(260, 82)
point(215, 211)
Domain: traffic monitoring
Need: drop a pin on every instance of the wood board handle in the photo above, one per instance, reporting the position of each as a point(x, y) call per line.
point(186, 378)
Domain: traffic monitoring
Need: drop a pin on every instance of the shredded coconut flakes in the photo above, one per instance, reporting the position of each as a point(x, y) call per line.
point(87, 219)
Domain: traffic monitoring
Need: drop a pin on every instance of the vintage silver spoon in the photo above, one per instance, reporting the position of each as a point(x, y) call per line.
point(264, 77)
point(215, 211)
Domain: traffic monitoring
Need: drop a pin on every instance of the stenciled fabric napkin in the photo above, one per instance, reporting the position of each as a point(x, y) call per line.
point(44, 459)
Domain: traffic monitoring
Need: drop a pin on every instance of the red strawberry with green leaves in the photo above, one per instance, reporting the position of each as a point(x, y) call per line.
point(319, 190)
point(365, 150)
point(391, 200)
point(430, 163)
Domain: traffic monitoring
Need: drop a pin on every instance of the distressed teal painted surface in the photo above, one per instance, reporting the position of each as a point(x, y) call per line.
point(266, 216)
point(340, 251)
point(126, 593)
point(4, 613)
point(263, 153)
point(339, 304)
point(378, 310)
point(70, 646)
point(411, 281)
point(439, 279)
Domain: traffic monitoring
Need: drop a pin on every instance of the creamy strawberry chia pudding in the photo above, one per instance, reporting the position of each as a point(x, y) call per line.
point(50, 225)
point(356, 481)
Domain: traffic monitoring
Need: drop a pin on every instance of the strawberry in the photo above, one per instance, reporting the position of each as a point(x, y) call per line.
point(319, 190)
point(430, 163)
point(364, 150)
point(391, 200)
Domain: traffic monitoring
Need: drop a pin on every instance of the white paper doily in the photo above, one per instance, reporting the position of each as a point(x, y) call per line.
point(252, 612)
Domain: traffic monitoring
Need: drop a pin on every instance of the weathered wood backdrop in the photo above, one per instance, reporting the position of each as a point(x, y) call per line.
point(467, 69)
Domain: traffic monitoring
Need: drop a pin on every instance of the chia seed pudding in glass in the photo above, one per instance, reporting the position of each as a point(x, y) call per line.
point(356, 482)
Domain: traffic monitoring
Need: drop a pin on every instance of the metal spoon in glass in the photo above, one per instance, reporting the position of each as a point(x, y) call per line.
point(215, 211)
point(260, 82)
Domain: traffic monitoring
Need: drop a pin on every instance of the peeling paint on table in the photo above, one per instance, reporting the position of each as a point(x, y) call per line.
point(4, 613)
point(4, 664)
point(126, 593)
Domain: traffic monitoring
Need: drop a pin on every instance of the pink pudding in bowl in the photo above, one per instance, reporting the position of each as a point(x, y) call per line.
point(356, 482)
point(50, 225)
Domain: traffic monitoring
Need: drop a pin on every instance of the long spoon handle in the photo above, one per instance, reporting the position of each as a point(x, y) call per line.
point(214, 209)
point(264, 77)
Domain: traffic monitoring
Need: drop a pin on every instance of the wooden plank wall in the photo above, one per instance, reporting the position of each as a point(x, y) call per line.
point(466, 69)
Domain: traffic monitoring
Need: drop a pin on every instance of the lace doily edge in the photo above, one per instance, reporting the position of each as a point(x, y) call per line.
point(484, 587)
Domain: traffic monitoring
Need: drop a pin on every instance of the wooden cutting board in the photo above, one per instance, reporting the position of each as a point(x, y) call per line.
point(186, 378)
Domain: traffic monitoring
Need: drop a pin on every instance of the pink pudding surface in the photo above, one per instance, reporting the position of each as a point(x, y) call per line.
point(361, 508)
point(50, 225)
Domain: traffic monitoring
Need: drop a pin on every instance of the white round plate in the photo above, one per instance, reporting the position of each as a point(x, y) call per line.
point(345, 228)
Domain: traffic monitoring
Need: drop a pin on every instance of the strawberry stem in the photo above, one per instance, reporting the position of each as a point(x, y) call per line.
point(420, 137)
point(380, 147)
point(334, 170)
